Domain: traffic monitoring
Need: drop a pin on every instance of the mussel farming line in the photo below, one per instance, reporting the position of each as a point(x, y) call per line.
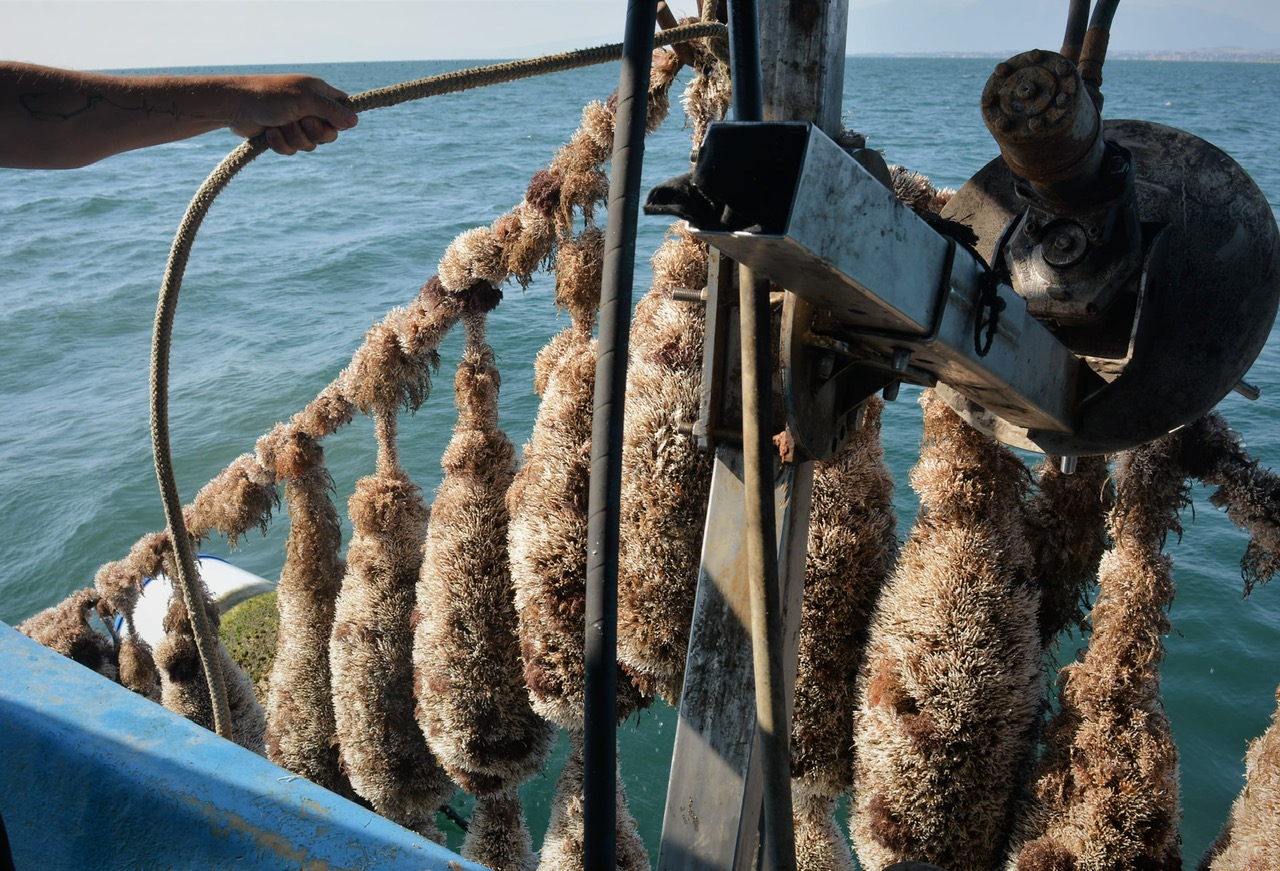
point(923, 677)
point(185, 575)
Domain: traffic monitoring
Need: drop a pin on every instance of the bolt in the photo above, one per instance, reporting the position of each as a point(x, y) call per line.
point(1003, 69)
point(1034, 124)
point(1094, 232)
point(1035, 56)
point(1061, 100)
point(1062, 242)
point(1026, 90)
point(1062, 68)
point(1249, 391)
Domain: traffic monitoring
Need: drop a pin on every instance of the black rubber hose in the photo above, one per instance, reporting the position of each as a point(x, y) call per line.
point(1093, 54)
point(1077, 24)
point(1103, 14)
point(744, 61)
point(600, 717)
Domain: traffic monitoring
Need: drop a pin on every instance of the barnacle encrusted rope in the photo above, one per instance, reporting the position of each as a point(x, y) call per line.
point(185, 566)
point(1105, 793)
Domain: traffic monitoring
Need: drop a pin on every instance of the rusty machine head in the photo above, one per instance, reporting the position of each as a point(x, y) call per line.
point(1147, 251)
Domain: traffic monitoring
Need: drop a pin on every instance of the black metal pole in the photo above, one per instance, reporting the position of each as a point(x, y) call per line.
point(1077, 24)
point(600, 752)
point(758, 484)
point(744, 60)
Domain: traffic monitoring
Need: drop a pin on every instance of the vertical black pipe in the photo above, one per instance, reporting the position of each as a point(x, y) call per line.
point(758, 483)
point(1077, 24)
point(1103, 14)
point(600, 752)
point(744, 60)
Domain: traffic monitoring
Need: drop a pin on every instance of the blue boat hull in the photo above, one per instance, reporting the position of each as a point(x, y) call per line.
point(96, 776)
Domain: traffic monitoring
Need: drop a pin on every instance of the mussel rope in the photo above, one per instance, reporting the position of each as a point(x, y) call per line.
point(180, 252)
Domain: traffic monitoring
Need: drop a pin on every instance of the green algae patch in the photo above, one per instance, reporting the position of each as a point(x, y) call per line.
point(249, 631)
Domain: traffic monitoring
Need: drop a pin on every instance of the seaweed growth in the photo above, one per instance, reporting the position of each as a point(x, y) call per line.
point(666, 478)
point(1251, 837)
point(1250, 494)
point(64, 628)
point(183, 688)
point(548, 498)
point(380, 746)
point(301, 731)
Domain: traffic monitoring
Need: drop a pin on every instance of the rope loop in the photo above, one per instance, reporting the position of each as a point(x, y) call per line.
point(989, 301)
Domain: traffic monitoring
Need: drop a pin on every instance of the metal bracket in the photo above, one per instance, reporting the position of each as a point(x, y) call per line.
point(828, 231)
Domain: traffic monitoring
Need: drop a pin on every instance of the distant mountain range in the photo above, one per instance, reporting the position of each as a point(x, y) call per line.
point(1241, 55)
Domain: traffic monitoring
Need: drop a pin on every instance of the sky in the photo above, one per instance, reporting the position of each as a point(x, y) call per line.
point(109, 34)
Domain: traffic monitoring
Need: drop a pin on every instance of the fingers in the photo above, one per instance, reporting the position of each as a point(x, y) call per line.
point(325, 117)
point(329, 105)
point(294, 112)
point(302, 135)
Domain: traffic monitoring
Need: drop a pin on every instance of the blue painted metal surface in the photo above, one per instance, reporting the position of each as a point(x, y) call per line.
point(96, 776)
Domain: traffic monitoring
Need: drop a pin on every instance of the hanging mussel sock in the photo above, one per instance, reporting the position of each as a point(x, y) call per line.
point(1251, 837)
point(851, 549)
point(380, 744)
point(473, 706)
point(300, 720)
point(665, 477)
point(952, 680)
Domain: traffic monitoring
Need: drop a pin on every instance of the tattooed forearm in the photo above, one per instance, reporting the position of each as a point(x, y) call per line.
point(31, 103)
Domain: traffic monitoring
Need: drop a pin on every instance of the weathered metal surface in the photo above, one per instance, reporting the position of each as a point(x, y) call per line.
point(714, 794)
point(1047, 127)
point(1210, 295)
point(848, 247)
point(96, 776)
point(720, 409)
point(802, 43)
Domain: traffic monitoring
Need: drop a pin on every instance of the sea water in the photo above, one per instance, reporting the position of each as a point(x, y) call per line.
point(300, 256)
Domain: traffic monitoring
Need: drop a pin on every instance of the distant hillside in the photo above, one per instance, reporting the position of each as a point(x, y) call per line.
point(1239, 55)
point(1202, 54)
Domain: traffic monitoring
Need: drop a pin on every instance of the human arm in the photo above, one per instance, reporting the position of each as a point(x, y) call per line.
point(59, 119)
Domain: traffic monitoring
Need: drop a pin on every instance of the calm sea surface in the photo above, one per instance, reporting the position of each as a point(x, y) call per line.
point(301, 255)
